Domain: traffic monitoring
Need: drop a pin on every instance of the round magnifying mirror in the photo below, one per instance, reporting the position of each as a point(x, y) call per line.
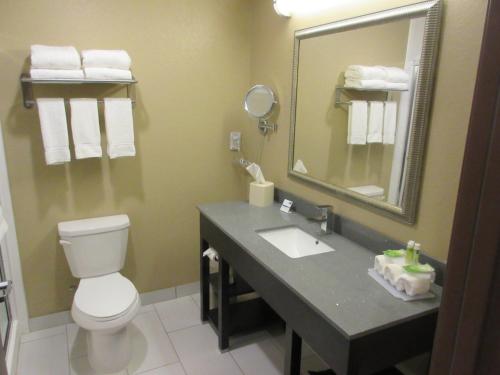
point(260, 102)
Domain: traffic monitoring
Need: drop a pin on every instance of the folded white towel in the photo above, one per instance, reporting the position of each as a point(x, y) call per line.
point(375, 122)
point(56, 73)
point(52, 57)
point(392, 272)
point(358, 122)
point(380, 264)
point(384, 73)
point(374, 84)
point(102, 58)
point(372, 191)
point(119, 127)
point(107, 73)
point(54, 130)
point(390, 121)
point(412, 285)
point(85, 128)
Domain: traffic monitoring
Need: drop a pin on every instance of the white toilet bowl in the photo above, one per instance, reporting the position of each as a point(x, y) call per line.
point(104, 306)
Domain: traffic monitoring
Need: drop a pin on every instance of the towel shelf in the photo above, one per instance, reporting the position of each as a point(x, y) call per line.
point(339, 90)
point(27, 86)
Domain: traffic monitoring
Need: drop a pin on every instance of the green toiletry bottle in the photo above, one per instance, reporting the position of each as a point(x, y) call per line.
point(416, 253)
point(410, 252)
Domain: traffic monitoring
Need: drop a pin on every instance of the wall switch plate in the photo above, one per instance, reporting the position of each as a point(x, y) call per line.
point(235, 141)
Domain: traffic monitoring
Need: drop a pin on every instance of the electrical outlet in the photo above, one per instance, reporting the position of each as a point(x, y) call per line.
point(235, 141)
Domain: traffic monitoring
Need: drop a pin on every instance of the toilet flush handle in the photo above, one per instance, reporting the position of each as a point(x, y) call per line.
point(64, 242)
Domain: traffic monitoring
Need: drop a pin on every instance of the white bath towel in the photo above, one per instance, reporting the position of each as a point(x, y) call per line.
point(384, 73)
point(390, 121)
point(358, 122)
point(375, 122)
point(107, 73)
point(374, 84)
point(53, 57)
point(119, 127)
point(101, 58)
point(85, 128)
point(56, 73)
point(54, 127)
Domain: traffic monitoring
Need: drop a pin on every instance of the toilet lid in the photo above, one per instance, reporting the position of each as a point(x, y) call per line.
point(105, 296)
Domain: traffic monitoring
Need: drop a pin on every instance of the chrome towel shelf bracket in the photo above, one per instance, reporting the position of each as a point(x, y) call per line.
point(27, 84)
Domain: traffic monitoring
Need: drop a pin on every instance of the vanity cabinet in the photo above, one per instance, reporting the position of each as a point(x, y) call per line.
point(230, 229)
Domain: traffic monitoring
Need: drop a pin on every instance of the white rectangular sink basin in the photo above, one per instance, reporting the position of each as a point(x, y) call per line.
point(294, 242)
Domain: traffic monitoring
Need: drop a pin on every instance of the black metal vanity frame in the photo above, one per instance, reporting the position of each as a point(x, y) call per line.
point(362, 354)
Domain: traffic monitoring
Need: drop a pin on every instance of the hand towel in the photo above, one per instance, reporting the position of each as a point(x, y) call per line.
point(3, 225)
point(85, 128)
point(374, 84)
point(390, 121)
point(54, 130)
point(101, 58)
point(412, 285)
point(392, 272)
point(358, 122)
point(375, 122)
point(52, 57)
point(56, 73)
point(384, 73)
point(380, 264)
point(119, 127)
point(107, 73)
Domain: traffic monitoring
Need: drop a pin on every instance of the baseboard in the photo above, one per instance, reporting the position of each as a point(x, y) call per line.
point(148, 298)
point(12, 353)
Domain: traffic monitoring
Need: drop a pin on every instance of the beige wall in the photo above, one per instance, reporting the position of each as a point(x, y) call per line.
point(272, 48)
point(321, 128)
point(195, 59)
point(192, 62)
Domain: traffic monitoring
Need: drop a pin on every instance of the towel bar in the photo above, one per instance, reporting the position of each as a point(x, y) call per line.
point(27, 86)
point(339, 90)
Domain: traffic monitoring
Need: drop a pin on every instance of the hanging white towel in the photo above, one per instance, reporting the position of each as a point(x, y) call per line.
point(85, 128)
point(358, 122)
point(53, 57)
point(101, 58)
point(390, 120)
point(375, 122)
point(56, 73)
point(107, 73)
point(3, 225)
point(119, 127)
point(54, 130)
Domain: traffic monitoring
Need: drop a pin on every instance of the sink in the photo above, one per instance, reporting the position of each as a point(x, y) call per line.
point(294, 242)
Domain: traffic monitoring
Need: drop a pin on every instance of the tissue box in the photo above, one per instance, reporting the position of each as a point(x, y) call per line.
point(261, 195)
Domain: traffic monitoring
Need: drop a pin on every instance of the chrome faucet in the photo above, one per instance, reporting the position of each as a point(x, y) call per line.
point(325, 217)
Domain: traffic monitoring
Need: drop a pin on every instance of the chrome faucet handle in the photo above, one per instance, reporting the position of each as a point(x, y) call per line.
point(325, 216)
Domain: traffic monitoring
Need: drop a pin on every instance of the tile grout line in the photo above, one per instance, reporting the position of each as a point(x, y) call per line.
point(236, 362)
point(68, 349)
point(169, 339)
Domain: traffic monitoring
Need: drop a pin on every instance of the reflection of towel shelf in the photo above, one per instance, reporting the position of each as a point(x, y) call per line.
point(27, 86)
point(342, 90)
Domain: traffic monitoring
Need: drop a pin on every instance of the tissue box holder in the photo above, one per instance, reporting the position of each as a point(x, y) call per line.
point(261, 195)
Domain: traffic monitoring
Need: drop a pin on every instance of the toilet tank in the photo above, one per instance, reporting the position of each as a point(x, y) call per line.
point(95, 246)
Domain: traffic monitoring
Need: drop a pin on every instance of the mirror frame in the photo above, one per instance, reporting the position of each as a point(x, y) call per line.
point(432, 11)
point(269, 113)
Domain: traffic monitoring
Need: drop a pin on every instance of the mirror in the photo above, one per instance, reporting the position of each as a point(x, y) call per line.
point(260, 102)
point(360, 103)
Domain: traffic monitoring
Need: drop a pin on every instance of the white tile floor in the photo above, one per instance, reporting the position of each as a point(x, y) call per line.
point(168, 339)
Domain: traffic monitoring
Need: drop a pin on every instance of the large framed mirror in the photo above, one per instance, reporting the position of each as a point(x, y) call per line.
point(361, 96)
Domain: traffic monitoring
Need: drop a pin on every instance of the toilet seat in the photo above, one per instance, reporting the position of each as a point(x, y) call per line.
point(105, 298)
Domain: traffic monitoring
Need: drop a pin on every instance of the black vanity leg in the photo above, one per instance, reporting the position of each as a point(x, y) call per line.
point(204, 281)
point(223, 308)
point(293, 352)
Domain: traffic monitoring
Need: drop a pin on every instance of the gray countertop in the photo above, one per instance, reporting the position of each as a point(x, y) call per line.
point(336, 284)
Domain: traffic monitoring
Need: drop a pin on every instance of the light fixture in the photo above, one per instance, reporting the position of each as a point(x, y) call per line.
point(282, 8)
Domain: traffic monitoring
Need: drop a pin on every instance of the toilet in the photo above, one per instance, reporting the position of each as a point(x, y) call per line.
point(105, 302)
